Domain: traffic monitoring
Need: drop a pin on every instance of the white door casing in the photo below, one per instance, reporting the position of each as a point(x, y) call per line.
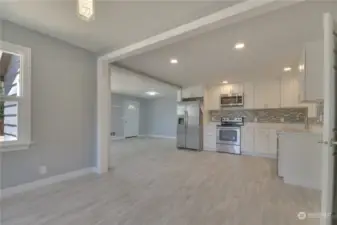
point(329, 121)
point(103, 116)
point(131, 118)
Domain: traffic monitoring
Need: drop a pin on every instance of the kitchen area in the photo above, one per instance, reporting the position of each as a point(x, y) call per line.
point(280, 118)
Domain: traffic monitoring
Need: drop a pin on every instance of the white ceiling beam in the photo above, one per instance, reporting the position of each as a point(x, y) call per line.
point(226, 16)
point(142, 77)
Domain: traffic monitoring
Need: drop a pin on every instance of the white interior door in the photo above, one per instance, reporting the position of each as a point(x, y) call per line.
point(329, 136)
point(131, 119)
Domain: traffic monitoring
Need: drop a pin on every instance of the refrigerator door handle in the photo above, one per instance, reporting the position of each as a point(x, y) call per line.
point(186, 119)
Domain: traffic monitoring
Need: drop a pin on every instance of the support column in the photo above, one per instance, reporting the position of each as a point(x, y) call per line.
point(103, 116)
point(1, 30)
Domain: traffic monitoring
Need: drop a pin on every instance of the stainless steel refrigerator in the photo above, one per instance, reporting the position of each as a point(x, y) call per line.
point(189, 127)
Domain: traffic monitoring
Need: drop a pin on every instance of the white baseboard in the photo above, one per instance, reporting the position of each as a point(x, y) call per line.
point(8, 192)
point(117, 138)
point(271, 156)
point(161, 136)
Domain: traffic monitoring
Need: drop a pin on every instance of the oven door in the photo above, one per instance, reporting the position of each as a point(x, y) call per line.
point(228, 135)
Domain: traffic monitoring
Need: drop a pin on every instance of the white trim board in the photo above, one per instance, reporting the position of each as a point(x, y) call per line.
point(160, 136)
point(156, 136)
point(264, 155)
point(8, 192)
point(117, 138)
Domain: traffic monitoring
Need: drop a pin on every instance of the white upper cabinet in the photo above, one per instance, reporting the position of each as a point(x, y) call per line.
point(179, 95)
point(267, 94)
point(193, 92)
point(230, 89)
point(213, 98)
point(310, 72)
point(290, 95)
point(248, 91)
point(289, 91)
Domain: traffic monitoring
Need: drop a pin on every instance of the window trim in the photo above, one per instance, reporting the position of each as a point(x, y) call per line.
point(24, 100)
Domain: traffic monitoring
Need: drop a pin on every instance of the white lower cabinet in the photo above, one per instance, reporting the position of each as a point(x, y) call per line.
point(259, 141)
point(272, 143)
point(261, 144)
point(247, 139)
point(210, 137)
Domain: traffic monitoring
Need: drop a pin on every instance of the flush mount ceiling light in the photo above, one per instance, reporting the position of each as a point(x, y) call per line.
point(225, 82)
point(287, 69)
point(174, 61)
point(152, 93)
point(86, 9)
point(239, 45)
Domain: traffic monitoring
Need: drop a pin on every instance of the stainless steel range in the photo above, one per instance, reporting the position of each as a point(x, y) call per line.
point(228, 137)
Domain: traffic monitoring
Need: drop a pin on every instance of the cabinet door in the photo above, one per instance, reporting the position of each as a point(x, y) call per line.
point(210, 137)
point(273, 94)
point(236, 89)
point(186, 93)
point(213, 97)
point(289, 91)
point(260, 96)
point(193, 92)
point(226, 89)
point(314, 70)
point(247, 139)
point(272, 145)
point(248, 91)
point(261, 144)
point(179, 95)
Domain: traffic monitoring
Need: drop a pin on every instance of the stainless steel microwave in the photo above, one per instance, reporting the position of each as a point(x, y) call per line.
point(234, 100)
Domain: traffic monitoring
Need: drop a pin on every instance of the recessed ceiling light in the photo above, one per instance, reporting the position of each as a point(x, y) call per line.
point(239, 45)
point(287, 69)
point(174, 61)
point(152, 93)
point(225, 82)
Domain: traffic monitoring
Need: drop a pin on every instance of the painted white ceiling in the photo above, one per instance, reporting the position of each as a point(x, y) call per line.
point(133, 84)
point(272, 41)
point(117, 23)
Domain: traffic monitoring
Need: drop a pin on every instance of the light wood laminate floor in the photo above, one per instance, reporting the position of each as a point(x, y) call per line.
point(152, 183)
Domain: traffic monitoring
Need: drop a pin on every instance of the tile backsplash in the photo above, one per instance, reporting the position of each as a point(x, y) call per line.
point(280, 115)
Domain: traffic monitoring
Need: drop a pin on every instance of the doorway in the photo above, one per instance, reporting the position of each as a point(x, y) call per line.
point(131, 119)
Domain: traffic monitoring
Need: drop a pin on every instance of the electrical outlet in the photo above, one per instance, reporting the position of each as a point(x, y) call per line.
point(282, 119)
point(42, 170)
point(113, 134)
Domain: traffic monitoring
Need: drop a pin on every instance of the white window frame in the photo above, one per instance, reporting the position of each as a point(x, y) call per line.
point(24, 100)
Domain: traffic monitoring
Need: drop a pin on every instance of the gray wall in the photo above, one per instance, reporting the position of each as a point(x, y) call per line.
point(156, 117)
point(162, 117)
point(63, 109)
point(117, 113)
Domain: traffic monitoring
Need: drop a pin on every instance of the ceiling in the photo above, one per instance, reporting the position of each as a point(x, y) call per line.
point(117, 23)
point(129, 83)
point(273, 41)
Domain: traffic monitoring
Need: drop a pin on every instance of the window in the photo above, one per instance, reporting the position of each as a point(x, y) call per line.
point(15, 97)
